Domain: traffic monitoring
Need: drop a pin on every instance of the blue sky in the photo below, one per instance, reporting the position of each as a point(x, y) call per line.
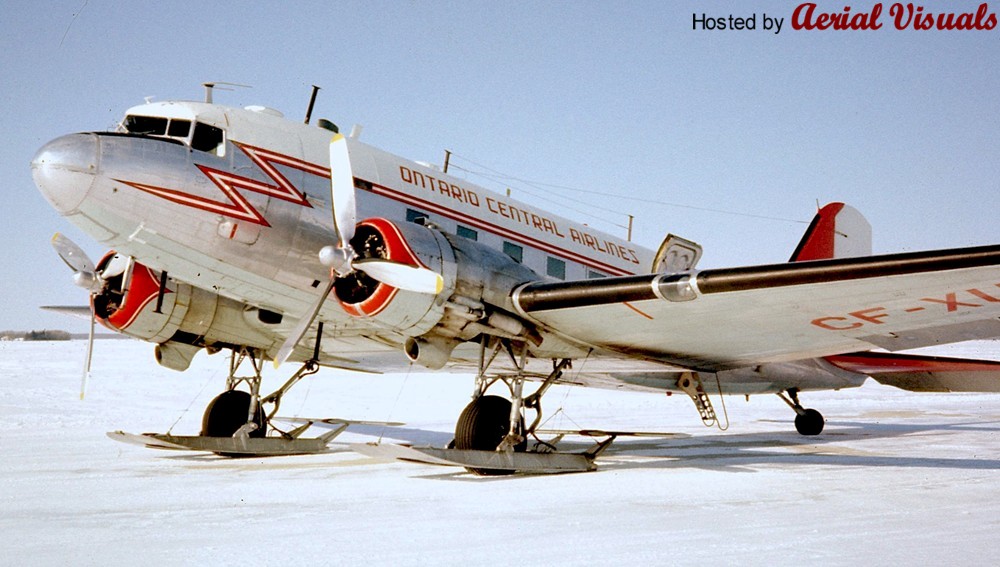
point(622, 99)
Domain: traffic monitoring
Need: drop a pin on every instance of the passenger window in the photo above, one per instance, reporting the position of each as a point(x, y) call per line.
point(413, 215)
point(467, 233)
point(146, 125)
point(207, 139)
point(555, 267)
point(592, 275)
point(514, 251)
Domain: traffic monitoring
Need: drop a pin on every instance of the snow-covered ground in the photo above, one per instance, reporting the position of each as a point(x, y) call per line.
point(896, 478)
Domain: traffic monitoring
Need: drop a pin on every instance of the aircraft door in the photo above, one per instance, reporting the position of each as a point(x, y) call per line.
point(676, 255)
point(249, 207)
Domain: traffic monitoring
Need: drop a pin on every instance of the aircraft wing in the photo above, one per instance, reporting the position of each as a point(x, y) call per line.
point(729, 318)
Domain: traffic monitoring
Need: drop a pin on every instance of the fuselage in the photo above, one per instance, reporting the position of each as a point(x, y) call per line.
point(236, 202)
point(247, 211)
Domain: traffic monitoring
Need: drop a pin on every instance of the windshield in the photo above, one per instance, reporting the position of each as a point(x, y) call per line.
point(203, 137)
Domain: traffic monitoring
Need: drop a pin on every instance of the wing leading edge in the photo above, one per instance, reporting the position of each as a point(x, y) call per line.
point(727, 318)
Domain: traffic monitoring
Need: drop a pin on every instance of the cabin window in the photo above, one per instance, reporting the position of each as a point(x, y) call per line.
point(555, 267)
point(467, 233)
point(208, 139)
point(146, 125)
point(413, 215)
point(592, 275)
point(514, 251)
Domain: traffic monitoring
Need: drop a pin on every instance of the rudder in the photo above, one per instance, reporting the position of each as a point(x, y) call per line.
point(837, 231)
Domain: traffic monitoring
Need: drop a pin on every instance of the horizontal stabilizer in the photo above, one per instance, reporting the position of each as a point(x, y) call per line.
point(923, 373)
point(78, 311)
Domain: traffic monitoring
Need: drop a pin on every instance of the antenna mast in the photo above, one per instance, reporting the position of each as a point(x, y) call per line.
point(312, 102)
point(210, 86)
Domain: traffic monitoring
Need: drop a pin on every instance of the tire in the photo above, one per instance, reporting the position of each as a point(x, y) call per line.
point(810, 422)
point(482, 425)
point(228, 412)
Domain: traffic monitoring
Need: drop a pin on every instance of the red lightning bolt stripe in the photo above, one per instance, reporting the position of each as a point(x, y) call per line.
point(265, 160)
point(230, 184)
point(238, 207)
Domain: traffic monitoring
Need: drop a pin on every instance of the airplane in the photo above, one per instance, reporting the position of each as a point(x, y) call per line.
point(238, 229)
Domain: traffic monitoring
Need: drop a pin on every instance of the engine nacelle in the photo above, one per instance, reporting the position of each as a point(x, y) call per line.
point(407, 243)
point(475, 298)
point(181, 319)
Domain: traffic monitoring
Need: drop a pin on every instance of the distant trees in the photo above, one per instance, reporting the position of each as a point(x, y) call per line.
point(44, 335)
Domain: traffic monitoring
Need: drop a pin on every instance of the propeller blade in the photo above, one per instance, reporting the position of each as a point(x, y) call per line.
point(410, 278)
point(85, 276)
point(84, 272)
point(342, 190)
point(90, 355)
point(73, 255)
point(302, 327)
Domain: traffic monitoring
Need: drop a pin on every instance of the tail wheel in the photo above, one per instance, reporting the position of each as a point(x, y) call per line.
point(809, 422)
point(482, 425)
point(228, 412)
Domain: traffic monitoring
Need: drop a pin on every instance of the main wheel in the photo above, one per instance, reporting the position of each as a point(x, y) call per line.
point(810, 422)
point(482, 426)
point(228, 412)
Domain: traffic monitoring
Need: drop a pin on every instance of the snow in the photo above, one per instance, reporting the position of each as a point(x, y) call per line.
point(895, 478)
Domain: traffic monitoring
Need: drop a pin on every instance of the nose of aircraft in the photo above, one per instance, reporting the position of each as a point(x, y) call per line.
point(64, 170)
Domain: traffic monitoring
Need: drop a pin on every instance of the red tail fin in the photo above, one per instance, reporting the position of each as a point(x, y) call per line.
point(837, 231)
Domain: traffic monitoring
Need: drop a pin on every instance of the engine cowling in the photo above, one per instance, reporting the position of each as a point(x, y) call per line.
point(361, 295)
point(474, 299)
point(181, 320)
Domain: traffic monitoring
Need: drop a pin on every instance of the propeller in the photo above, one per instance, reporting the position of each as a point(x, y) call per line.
point(343, 260)
point(84, 275)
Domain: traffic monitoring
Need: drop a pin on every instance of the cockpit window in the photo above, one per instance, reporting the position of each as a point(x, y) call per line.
point(207, 138)
point(146, 125)
point(179, 128)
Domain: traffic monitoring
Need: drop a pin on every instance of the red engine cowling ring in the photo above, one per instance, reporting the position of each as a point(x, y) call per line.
point(118, 311)
point(359, 294)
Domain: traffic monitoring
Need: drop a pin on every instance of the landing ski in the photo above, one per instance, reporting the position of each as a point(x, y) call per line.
point(244, 446)
point(229, 446)
point(526, 462)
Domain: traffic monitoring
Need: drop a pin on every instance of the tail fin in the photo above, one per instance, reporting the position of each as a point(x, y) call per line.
point(837, 231)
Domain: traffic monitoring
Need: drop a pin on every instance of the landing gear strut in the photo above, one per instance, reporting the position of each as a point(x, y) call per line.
point(492, 423)
point(807, 421)
point(240, 414)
